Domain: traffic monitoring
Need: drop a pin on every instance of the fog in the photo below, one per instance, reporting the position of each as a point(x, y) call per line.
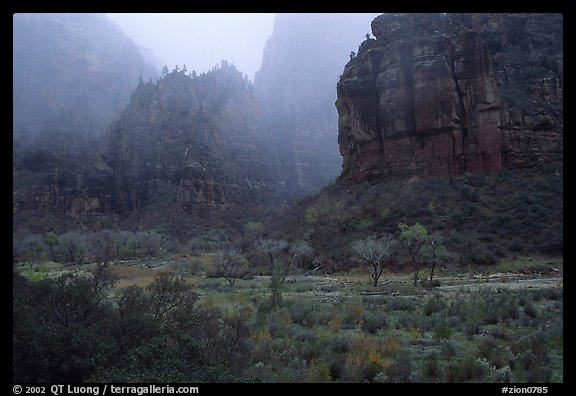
point(200, 41)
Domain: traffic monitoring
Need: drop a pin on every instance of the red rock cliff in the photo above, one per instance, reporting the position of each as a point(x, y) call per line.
point(444, 94)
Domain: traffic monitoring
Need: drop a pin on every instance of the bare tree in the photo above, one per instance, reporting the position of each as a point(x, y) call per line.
point(298, 248)
point(271, 248)
point(103, 246)
point(436, 252)
point(375, 252)
point(229, 262)
point(124, 244)
point(28, 250)
point(149, 241)
point(74, 246)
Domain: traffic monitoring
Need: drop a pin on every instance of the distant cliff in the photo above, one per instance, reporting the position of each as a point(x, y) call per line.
point(195, 142)
point(72, 75)
point(296, 86)
point(444, 94)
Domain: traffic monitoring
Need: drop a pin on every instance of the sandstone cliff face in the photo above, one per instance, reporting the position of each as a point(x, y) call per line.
point(72, 75)
point(296, 86)
point(444, 94)
point(195, 142)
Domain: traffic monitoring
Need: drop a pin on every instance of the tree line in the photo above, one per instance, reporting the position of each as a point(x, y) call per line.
point(77, 328)
point(77, 247)
point(421, 248)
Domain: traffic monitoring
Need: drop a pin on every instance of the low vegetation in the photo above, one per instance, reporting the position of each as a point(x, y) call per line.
point(174, 323)
point(436, 280)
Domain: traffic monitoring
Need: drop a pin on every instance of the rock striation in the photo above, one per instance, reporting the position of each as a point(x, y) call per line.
point(445, 94)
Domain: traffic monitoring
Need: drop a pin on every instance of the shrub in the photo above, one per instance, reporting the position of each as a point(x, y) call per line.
point(431, 368)
point(502, 375)
point(511, 311)
point(303, 314)
point(433, 305)
point(337, 366)
point(319, 371)
point(339, 343)
point(391, 346)
point(531, 310)
point(401, 370)
point(492, 316)
point(279, 324)
point(550, 293)
point(352, 316)
point(374, 321)
point(303, 334)
point(311, 350)
point(366, 359)
point(443, 331)
point(381, 378)
point(527, 360)
point(467, 369)
point(492, 352)
point(501, 333)
point(400, 304)
point(449, 349)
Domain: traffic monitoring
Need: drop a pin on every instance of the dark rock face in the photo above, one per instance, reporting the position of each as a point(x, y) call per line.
point(197, 143)
point(73, 74)
point(439, 94)
point(296, 86)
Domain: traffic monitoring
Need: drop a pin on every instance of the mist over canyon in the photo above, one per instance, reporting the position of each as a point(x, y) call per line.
point(380, 201)
point(99, 133)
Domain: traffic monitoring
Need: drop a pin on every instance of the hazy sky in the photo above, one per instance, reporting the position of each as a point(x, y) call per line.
point(201, 41)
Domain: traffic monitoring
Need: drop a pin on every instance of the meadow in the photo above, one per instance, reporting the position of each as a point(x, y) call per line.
point(502, 325)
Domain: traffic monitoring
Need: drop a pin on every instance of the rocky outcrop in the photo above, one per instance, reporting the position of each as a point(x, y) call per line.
point(444, 94)
point(72, 75)
point(296, 86)
point(194, 142)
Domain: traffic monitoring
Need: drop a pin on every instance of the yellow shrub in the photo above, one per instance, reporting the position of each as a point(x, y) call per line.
point(366, 352)
point(391, 346)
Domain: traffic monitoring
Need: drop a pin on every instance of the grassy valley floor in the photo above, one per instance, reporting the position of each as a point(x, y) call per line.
point(502, 325)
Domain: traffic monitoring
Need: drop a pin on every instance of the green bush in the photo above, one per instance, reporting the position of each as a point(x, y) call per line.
point(431, 368)
point(443, 331)
point(400, 304)
point(502, 375)
point(433, 305)
point(374, 321)
point(303, 314)
point(531, 310)
point(448, 349)
point(401, 370)
point(467, 369)
point(338, 367)
point(493, 352)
